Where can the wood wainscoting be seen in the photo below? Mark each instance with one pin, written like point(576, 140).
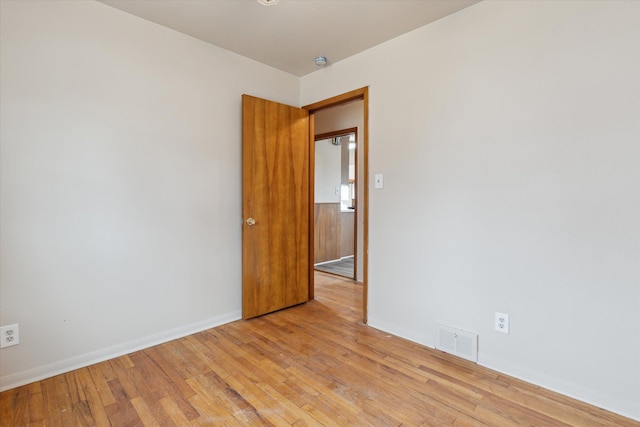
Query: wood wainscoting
point(326, 244)
point(347, 233)
point(334, 230)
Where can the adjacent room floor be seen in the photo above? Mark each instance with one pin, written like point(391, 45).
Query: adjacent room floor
point(342, 267)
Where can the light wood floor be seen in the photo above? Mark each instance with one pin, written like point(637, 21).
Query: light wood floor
point(313, 364)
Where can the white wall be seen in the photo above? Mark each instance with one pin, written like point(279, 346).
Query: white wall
point(327, 171)
point(120, 182)
point(509, 136)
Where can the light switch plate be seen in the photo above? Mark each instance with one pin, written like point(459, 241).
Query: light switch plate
point(379, 180)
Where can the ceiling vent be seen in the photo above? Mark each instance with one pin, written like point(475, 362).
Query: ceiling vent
point(268, 2)
point(321, 61)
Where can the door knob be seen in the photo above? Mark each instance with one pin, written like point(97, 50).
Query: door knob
point(250, 221)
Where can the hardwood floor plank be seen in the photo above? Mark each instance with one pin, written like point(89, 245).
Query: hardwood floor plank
point(218, 404)
point(238, 405)
point(170, 366)
point(158, 384)
point(324, 387)
point(101, 373)
point(260, 403)
point(63, 399)
point(20, 402)
point(8, 407)
point(289, 402)
point(310, 365)
point(122, 386)
point(82, 414)
point(77, 395)
point(50, 404)
point(93, 402)
point(143, 411)
point(122, 412)
point(36, 407)
point(173, 410)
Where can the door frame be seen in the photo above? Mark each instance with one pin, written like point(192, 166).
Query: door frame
point(334, 134)
point(361, 94)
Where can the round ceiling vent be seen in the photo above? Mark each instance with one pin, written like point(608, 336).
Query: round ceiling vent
point(268, 2)
point(321, 61)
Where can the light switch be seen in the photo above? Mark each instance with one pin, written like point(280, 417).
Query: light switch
point(379, 180)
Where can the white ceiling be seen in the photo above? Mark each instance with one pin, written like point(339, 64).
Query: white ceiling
point(289, 35)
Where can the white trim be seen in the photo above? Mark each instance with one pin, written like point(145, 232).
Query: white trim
point(36, 374)
point(402, 333)
point(327, 262)
point(334, 260)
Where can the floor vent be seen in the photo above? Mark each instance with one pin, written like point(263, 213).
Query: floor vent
point(457, 342)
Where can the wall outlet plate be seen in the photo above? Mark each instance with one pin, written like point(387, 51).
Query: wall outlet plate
point(9, 335)
point(502, 322)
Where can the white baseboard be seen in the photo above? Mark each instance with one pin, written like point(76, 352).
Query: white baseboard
point(334, 260)
point(402, 333)
point(36, 374)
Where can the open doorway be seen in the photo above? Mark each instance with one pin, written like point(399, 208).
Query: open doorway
point(335, 184)
point(330, 118)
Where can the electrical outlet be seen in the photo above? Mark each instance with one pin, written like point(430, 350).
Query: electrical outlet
point(9, 335)
point(502, 323)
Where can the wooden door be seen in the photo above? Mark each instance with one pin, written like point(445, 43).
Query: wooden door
point(275, 206)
